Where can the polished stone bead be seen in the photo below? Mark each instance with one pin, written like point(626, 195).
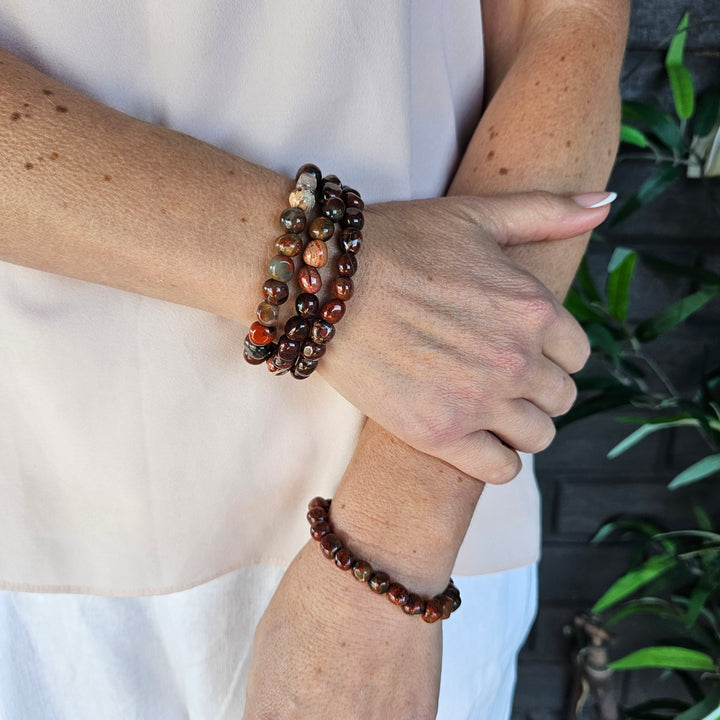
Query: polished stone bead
point(267, 314)
point(296, 328)
point(313, 170)
point(334, 179)
point(307, 306)
point(293, 220)
point(353, 218)
point(312, 351)
point(330, 544)
point(322, 331)
point(320, 502)
point(362, 570)
point(446, 604)
point(321, 228)
point(289, 244)
point(352, 199)
point(303, 368)
point(320, 530)
point(415, 605)
point(288, 349)
point(379, 582)
point(342, 288)
point(454, 594)
point(303, 199)
point(275, 292)
point(332, 311)
point(433, 610)
point(309, 279)
point(257, 354)
point(281, 268)
point(398, 594)
point(274, 368)
point(316, 514)
point(306, 181)
point(333, 209)
point(316, 254)
point(344, 559)
point(330, 190)
point(351, 240)
point(261, 334)
point(347, 265)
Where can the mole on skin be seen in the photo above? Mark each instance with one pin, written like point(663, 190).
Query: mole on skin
point(503, 171)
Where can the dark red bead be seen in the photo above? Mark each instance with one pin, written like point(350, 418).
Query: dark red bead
point(275, 292)
point(320, 502)
point(344, 559)
point(330, 190)
point(415, 605)
point(347, 265)
point(296, 328)
point(276, 363)
point(454, 594)
point(398, 594)
point(330, 544)
point(352, 199)
point(379, 582)
point(351, 240)
point(320, 530)
point(342, 288)
point(317, 514)
point(334, 179)
point(362, 570)
point(307, 305)
point(433, 611)
point(447, 605)
point(333, 209)
point(288, 349)
point(303, 368)
point(313, 170)
point(293, 220)
point(353, 218)
point(309, 279)
point(322, 331)
point(332, 311)
point(312, 350)
point(261, 334)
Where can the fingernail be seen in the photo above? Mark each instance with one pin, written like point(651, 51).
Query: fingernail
point(594, 199)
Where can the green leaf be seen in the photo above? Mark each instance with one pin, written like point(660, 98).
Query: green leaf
point(598, 403)
point(586, 283)
point(703, 468)
point(707, 113)
point(680, 79)
point(707, 709)
point(656, 184)
point(701, 592)
point(674, 315)
point(626, 525)
point(597, 383)
point(620, 272)
point(702, 275)
point(601, 339)
point(633, 580)
point(702, 518)
point(647, 429)
point(651, 606)
point(665, 657)
point(633, 136)
point(659, 123)
point(579, 309)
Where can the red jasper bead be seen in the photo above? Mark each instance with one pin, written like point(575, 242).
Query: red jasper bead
point(309, 279)
point(288, 349)
point(344, 559)
point(446, 604)
point(353, 218)
point(317, 514)
point(415, 605)
point(320, 502)
point(275, 292)
point(322, 331)
point(307, 305)
point(330, 544)
point(397, 594)
point(297, 329)
point(433, 611)
point(333, 311)
point(260, 334)
point(289, 245)
point(347, 265)
point(319, 530)
point(342, 288)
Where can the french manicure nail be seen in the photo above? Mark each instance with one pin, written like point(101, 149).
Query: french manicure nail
point(594, 199)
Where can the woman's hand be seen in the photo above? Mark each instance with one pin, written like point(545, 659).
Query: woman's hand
point(449, 344)
point(328, 647)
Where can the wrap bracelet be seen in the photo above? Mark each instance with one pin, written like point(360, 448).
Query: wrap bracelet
point(430, 609)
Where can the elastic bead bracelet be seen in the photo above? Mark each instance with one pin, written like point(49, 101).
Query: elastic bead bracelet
point(430, 609)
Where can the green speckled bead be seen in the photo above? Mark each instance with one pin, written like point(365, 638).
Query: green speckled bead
point(293, 220)
point(267, 314)
point(281, 268)
point(257, 354)
point(362, 570)
point(289, 244)
point(321, 228)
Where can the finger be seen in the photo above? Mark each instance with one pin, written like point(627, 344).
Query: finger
point(516, 219)
point(550, 389)
point(481, 455)
point(566, 343)
point(524, 427)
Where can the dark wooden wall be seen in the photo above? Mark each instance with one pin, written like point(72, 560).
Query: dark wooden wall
point(580, 486)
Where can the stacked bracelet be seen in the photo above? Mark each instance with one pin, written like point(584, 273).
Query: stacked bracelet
point(431, 609)
point(306, 334)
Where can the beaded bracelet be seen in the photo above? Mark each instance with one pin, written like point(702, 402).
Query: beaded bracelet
point(431, 609)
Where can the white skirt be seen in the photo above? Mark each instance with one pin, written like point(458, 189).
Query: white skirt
point(186, 655)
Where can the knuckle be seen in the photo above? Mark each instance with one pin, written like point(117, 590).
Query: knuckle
point(504, 469)
point(515, 363)
point(545, 437)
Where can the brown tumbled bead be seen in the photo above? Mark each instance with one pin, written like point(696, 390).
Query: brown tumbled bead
point(446, 604)
point(379, 582)
point(330, 544)
point(296, 328)
point(293, 220)
point(333, 209)
point(330, 190)
point(415, 605)
point(433, 610)
point(398, 594)
point(351, 240)
point(352, 199)
point(289, 244)
point(320, 502)
point(332, 311)
point(317, 514)
point(344, 559)
point(307, 306)
point(309, 279)
point(275, 292)
point(322, 331)
point(257, 354)
point(334, 179)
point(362, 570)
point(312, 350)
point(347, 265)
point(278, 366)
point(316, 254)
point(303, 368)
point(321, 228)
point(342, 288)
point(313, 170)
point(353, 218)
point(261, 334)
point(454, 594)
point(320, 530)
point(267, 313)
point(288, 349)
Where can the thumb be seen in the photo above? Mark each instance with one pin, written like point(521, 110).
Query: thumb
point(516, 219)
